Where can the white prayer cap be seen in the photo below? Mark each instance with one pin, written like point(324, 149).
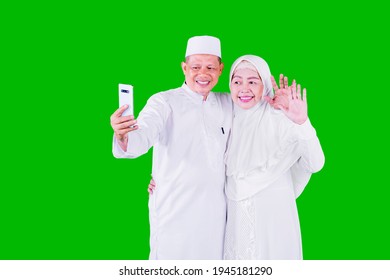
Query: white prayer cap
point(203, 45)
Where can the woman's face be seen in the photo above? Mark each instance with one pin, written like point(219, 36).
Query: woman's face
point(202, 72)
point(246, 88)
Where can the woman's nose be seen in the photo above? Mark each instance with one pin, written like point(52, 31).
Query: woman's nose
point(245, 87)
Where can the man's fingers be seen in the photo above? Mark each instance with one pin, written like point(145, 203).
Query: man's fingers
point(120, 111)
point(126, 124)
point(124, 119)
point(118, 120)
point(304, 94)
point(127, 130)
point(152, 186)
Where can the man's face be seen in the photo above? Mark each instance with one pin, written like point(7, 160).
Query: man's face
point(202, 72)
point(246, 88)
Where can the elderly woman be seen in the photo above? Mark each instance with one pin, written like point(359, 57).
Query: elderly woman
point(271, 156)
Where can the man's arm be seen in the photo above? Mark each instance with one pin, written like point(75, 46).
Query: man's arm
point(150, 124)
point(122, 125)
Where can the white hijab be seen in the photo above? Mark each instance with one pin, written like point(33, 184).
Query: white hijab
point(263, 144)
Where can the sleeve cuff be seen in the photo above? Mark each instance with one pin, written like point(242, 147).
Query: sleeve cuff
point(306, 131)
point(116, 149)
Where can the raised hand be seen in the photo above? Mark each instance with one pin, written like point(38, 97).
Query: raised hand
point(280, 99)
point(122, 126)
point(297, 108)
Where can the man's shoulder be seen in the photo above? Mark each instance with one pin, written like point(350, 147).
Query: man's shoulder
point(166, 94)
point(224, 98)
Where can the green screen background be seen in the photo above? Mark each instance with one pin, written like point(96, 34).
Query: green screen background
point(64, 196)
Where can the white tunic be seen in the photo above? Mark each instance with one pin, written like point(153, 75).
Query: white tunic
point(269, 161)
point(263, 219)
point(187, 211)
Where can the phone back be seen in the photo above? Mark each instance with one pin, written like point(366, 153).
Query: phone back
point(126, 97)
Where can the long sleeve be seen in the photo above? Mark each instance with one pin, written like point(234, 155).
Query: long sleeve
point(151, 122)
point(312, 159)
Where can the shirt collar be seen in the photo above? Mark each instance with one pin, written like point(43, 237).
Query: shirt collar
point(196, 96)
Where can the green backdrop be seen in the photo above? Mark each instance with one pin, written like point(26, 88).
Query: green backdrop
point(64, 196)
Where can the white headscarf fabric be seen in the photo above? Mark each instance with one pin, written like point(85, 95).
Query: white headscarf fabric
point(263, 145)
point(261, 67)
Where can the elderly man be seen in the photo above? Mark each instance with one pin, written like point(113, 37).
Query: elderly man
point(188, 128)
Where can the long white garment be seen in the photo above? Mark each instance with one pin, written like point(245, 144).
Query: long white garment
point(264, 224)
point(187, 211)
point(269, 161)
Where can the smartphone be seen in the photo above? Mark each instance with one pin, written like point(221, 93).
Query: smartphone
point(126, 97)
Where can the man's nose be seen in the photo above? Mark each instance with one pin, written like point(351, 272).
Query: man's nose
point(203, 70)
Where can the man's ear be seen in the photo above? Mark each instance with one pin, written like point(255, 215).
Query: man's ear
point(184, 67)
point(221, 66)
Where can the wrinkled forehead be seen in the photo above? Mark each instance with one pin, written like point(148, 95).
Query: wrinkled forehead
point(203, 58)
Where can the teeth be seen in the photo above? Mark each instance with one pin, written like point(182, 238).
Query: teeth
point(203, 83)
point(246, 98)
